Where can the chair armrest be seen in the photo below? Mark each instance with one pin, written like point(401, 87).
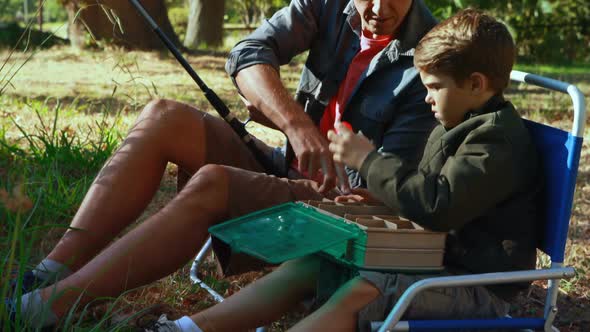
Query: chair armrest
point(470, 280)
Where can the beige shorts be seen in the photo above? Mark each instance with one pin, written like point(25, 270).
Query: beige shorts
point(438, 303)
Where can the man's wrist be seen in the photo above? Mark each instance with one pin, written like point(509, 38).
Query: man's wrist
point(295, 122)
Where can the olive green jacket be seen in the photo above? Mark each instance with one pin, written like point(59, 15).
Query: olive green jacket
point(478, 181)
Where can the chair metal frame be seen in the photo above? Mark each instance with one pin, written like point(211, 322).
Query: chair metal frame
point(561, 189)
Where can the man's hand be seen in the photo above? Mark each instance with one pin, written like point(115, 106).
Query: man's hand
point(349, 148)
point(262, 87)
point(311, 150)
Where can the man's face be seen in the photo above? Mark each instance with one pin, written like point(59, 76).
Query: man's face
point(382, 17)
point(450, 101)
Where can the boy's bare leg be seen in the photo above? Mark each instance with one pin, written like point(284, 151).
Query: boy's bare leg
point(340, 312)
point(263, 301)
point(165, 131)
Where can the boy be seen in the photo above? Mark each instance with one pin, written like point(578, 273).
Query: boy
point(477, 176)
point(475, 181)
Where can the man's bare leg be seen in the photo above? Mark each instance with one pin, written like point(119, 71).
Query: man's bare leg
point(263, 301)
point(165, 131)
point(154, 249)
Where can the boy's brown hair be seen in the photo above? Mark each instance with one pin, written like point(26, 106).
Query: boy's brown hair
point(467, 42)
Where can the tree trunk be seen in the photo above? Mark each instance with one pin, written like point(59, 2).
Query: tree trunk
point(40, 17)
point(205, 23)
point(26, 10)
point(117, 22)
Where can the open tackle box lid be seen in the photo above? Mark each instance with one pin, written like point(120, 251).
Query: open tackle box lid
point(289, 231)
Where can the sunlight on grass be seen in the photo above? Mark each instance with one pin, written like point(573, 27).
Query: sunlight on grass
point(555, 70)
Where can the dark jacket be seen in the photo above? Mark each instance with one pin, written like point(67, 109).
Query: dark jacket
point(387, 104)
point(477, 181)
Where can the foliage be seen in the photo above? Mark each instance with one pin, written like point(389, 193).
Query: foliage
point(179, 19)
point(53, 11)
point(11, 34)
point(252, 12)
point(546, 31)
point(176, 3)
point(55, 163)
point(11, 10)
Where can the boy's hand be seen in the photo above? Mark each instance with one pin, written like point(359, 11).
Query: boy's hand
point(360, 195)
point(349, 148)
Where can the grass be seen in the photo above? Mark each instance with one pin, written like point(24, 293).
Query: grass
point(65, 112)
point(555, 70)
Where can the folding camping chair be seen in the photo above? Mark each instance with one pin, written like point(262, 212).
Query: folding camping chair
point(560, 152)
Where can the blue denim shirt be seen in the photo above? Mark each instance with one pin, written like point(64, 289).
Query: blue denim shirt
point(387, 104)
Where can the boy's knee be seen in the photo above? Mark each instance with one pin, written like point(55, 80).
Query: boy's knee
point(354, 295)
point(301, 274)
point(307, 267)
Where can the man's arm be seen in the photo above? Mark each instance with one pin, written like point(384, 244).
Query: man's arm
point(261, 85)
point(254, 65)
point(289, 32)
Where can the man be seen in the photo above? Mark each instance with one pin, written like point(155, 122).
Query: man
point(359, 70)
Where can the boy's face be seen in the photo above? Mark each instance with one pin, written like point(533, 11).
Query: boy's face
point(450, 101)
point(382, 17)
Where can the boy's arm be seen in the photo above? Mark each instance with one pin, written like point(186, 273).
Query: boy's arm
point(478, 176)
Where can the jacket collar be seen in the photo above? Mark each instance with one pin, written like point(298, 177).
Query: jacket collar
point(409, 34)
point(493, 104)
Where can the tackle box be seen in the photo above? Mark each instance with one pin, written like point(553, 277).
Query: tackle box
point(367, 237)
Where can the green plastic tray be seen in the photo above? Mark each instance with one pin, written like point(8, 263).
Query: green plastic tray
point(289, 231)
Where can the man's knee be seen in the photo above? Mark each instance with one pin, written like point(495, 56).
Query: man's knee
point(211, 175)
point(207, 189)
point(167, 110)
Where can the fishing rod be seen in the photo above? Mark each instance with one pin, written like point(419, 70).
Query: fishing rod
point(219, 106)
